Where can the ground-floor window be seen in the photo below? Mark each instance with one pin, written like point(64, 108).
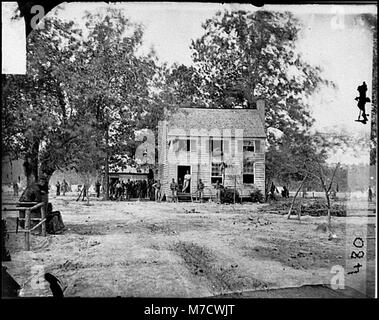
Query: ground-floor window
point(216, 174)
point(248, 171)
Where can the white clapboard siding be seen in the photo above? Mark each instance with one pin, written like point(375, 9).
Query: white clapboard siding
point(200, 159)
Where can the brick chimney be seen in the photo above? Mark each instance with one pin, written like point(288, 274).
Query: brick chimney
point(261, 109)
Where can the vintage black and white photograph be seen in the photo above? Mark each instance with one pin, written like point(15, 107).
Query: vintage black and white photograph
point(188, 150)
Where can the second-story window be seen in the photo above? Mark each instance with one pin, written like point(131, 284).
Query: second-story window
point(216, 145)
point(182, 145)
point(251, 145)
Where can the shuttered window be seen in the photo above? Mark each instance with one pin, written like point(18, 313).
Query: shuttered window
point(252, 145)
point(193, 145)
point(226, 146)
point(257, 144)
point(248, 171)
point(216, 145)
point(216, 174)
point(181, 145)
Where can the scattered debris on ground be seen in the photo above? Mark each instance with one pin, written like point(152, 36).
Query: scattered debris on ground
point(311, 207)
point(193, 210)
point(94, 243)
point(259, 221)
point(160, 228)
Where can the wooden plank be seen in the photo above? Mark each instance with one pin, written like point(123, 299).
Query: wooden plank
point(16, 209)
point(27, 202)
point(27, 227)
point(38, 205)
point(18, 203)
point(42, 222)
point(43, 217)
point(31, 219)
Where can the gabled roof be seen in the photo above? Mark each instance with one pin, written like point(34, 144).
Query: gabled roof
point(211, 118)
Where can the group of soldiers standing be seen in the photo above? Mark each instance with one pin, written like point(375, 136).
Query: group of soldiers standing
point(125, 190)
point(175, 187)
point(149, 189)
point(271, 195)
point(61, 187)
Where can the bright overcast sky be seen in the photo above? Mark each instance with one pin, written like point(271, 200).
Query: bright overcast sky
point(332, 37)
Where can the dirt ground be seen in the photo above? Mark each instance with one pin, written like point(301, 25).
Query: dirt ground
point(147, 249)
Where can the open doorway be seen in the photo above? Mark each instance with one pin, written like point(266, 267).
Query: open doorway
point(182, 171)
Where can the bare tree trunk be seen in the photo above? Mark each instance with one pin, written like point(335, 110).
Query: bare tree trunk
point(31, 164)
point(327, 190)
point(47, 177)
point(328, 205)
point(87, 195)
point(45, 173)
point(294, 198)
point(80, 194)
point(107, 165)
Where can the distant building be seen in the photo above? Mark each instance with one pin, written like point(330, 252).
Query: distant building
point(225, 145)
point(12, 171)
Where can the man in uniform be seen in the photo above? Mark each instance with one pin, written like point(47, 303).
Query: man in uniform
point(15, 188)
point(362, 99)
point(187, 179)
point(200, 190)
point(272, 191)
point(97, 186)
point(58, 186)
point(174, 190)
point(218, 188)
point(157, 187)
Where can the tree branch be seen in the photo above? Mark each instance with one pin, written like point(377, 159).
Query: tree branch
point(334, 173)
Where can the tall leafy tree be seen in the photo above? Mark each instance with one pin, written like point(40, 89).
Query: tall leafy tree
point(116, 84)
point(38, 123)
point(86, 92)
point(180, 87)
point(242, 57)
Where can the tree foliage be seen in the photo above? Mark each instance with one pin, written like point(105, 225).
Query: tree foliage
point(37, 121)
point(242, 57)
point(181, 87)
point(87, 90)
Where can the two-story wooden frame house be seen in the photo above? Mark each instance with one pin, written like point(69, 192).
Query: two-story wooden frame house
point(225, 145)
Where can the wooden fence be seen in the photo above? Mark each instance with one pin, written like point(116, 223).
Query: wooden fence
point(28, 207)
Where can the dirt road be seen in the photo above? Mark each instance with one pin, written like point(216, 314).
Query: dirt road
point(146, 249)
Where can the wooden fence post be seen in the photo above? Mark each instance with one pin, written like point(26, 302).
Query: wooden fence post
point(27, 228)
point(43, 216)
